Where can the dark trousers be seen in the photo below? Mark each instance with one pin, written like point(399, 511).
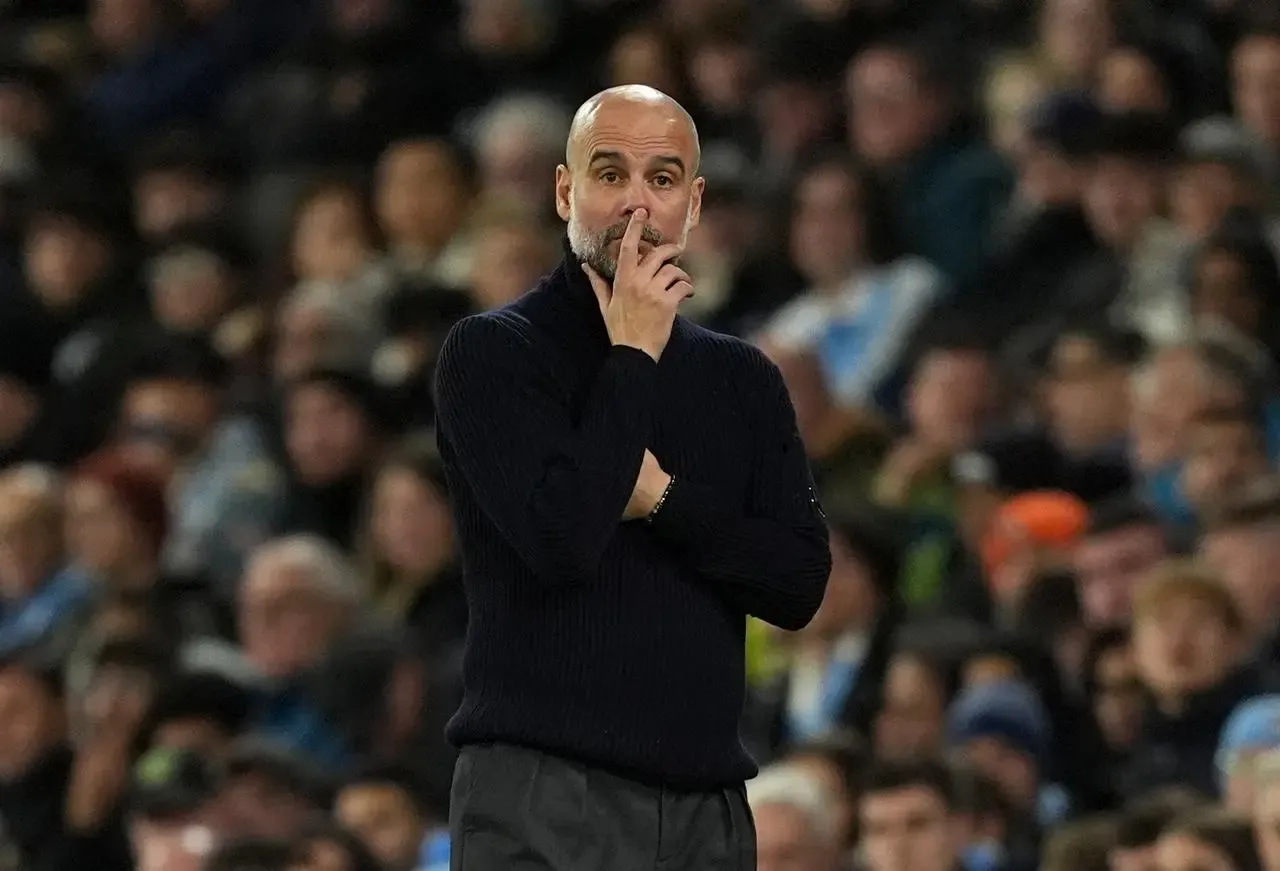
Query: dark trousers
point(514, 809)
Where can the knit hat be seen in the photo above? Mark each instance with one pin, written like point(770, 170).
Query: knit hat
point(1007, 711)
point(357, 386)
point(169, 782)
point(1253, 726)
point(141, 494)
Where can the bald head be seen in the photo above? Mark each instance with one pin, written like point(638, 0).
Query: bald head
point(620, 103)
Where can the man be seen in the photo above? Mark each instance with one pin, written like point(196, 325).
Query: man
point(796, 820)
point(627, 488)
point(1123, 541)
point(910, 819)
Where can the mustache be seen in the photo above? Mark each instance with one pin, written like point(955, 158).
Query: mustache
point(618, 230)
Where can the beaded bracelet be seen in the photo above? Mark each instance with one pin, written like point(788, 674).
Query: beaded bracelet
point(661, 499)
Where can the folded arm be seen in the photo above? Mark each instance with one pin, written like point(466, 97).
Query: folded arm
point(771, 560)
point(555, 489)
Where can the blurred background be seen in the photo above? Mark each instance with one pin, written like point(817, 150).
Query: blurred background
point(1016, 260)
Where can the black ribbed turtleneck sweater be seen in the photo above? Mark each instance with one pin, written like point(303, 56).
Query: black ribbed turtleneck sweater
point(619, 644)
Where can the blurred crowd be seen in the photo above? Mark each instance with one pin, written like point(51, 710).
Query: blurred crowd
point(1016, 261)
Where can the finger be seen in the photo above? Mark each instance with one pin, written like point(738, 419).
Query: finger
point(599, 286)
point(681, 290)
point(659, 256)
point(629, 252)
point(669, 275)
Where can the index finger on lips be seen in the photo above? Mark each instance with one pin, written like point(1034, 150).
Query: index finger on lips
point(659, 257)
point(629, 251)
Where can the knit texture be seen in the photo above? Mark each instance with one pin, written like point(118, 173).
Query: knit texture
point(619, 644)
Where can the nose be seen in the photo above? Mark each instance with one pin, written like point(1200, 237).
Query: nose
point(638, 195)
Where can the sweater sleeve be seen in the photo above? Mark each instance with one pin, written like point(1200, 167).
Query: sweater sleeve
point(555, 488)
point(771, 561)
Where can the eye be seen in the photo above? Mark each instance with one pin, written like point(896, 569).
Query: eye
point(609, 176)
point(664, 181)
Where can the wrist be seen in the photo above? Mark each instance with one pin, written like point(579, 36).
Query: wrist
point(655, 506)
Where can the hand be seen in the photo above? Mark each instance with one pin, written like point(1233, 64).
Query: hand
point(640, 308)
point(650, 485)
point(909, 462)
point(98, 779)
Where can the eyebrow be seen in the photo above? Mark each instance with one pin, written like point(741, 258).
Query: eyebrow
point(616, 157)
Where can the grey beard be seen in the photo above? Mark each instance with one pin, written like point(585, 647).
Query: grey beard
point(597, 254)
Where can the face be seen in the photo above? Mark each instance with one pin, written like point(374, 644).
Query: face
point(1224, 292)
point(1255, 73)
point(1182, 646)
point(1087, 396)
point(828, 774)
point(1201, 194)
point(508, 261)
point(62, 260)
point(1246, 558)
point(909, 829)
point(792, 116)
point(1179, 852)
point(330, 239)
point(1163, 403)
point(30, 540)
point(179, 845)
point(285, 624)
point(1121, 196)
point(164, 423)
point(31, 722)
point(412, 526)
point(1013, 770)
point(892, 113)
point(949, 397)
point(627, 157)
point(1118, 702)
point(1266, 824)
point(190, 291)
point(1131, 83)
point(1011, 93)
point(850, 600)
point(101, 535)
point(421, 197)
point(1075, 35)
point(167, 199)
point(1109, 566)
point(910, 721)
point(304, 334)
point(326, 435)
point(786, 842)
point(1133, 859)
point(385, 820)
point(122, 27)
point(827, 227)
point(253, 806)
point(1047, 177)
point(645, 57)
point(1222, 456)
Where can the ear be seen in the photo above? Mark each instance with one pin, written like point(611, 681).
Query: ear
point(564, 190)
point(695, 200)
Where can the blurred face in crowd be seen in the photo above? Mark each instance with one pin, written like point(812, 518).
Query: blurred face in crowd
point(328, 437)
point(501, 27)
point(723, 73)
point(1223, 455)
point(792, 116)
point(516, 166)
point(174, 844)
point(1255, 75)
point(1075, 36)
point(1087, 396)
point(165, 422)
point(1118, 700)
point(1109, 565)
point(910, 722)
point(634, 151)
point(893, 113)
point(1048, 177)
point(286, 623)
point(1182, 646)
point(909, 829)
point(951, 395)
point(165, 199)
point(385, 819)
point(255, 805)
point(30, 534)
point(1130, 82)
point(122, 28)
point(827, 230)
point(509, 258)
point(827, 773)
point(24, 114)
point(117, 699)
point(1246, 557)
point(786, 841)
point(1178, 851)
point(355, 17)
point(332, 239)
point(19, 406)
point(1012, 769)
point(412, 525)
point(1224, 292)
point(101, 534)
point(1165, 397)
point(1201, 194)
point(31, 722)
point(191, 290)
point(1122, 195)
point(63, 258)
point(1266, 823)
point(646, 56)
point(422, 198)
point(850, 602)
point(1013, 88)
